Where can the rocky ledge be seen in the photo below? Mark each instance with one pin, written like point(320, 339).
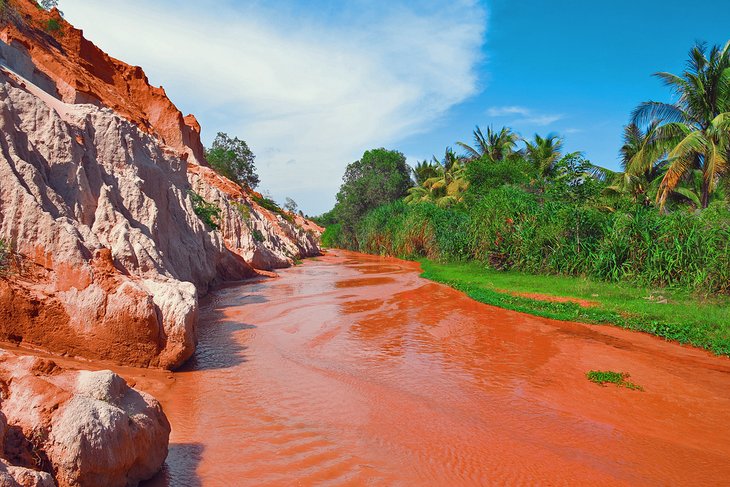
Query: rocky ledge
point(75, 428)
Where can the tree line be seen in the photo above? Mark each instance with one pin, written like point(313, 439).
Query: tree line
point(662, 219)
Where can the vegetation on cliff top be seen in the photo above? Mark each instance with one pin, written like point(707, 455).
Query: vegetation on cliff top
point(232, 158)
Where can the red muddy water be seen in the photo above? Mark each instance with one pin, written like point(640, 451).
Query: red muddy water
point(352, 370)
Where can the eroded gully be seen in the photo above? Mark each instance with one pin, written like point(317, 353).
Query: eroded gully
point(352, 370)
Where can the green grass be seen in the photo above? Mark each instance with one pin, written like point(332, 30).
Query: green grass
point(702, 322)
point(603, 377)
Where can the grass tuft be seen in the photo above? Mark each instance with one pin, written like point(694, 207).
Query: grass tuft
point(621, 379)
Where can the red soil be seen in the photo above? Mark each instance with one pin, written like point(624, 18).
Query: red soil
point(551, 299)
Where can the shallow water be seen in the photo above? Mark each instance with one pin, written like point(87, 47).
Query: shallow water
point(351, 370)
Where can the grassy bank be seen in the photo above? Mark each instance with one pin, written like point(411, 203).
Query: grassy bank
point(673, 315)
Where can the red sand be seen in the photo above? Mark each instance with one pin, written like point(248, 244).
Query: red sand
point(351, 370)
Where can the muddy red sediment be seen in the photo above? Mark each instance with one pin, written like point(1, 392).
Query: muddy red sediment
point(402, 381)
point(551, 299)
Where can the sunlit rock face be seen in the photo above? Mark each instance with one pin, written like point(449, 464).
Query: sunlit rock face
point(110, 251)
point(96, 169)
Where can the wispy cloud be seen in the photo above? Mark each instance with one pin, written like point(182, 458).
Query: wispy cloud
point(505, 111)
point(300, 81)
point(522, 115)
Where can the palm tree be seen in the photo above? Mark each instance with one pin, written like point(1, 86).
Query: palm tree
point(495, 145)
point(643, 164)
point(544, 152)
point(424, 170)
point(694, 132)
point(447, 186)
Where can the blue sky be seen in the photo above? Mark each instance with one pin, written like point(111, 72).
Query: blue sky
point(311, 85)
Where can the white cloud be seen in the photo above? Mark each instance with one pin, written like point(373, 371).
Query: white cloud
point(523, 115)
point(504, 111)
point(309, 88)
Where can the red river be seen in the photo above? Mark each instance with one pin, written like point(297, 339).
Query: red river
point(352, 370)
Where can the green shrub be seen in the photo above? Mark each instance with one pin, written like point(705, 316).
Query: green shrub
point(232, 158)
point(53, 26)
point(272, 206)
point(209, 213)
point(332, 237)
point(243, 210)
point(4, 255)
point(512, 228)
point(257, 235)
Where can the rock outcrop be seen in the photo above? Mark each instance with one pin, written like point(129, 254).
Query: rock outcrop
point(112, 253)
point(74, 70)
point(75, 428)
point(96, 170)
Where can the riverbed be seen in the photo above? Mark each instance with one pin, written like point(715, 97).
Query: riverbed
point(352, 370)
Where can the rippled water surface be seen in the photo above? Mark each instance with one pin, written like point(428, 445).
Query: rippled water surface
point(351, 370)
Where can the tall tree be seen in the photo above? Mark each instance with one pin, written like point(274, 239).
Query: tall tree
point(694, 131)
point(381, 176)
point(544, 152)
point(290, 205)
point(495, 145)
point(232, 158)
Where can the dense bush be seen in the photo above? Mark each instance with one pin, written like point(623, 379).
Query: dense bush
point(332, 237)
point(511, 228)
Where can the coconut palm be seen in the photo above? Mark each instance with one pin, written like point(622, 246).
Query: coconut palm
point(694, 132)
point(495, 145)
point(447, 186)
point(544, 152)
point(424, 170)
point(643, 164)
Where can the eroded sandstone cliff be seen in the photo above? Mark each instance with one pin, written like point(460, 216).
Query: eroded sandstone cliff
point(96, 169)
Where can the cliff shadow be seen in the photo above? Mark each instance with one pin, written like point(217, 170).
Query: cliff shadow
point(180, 468)
point(221, 342)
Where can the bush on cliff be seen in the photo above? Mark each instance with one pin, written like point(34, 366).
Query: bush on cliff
point(3, 256)
point(232, 158)
point(208, 212)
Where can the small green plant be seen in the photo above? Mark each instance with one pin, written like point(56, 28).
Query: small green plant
point(257, 235)
point(243, 210)
point(208, 212)
point(53, 26)
point(271, 205)
point(3, 256)
point(621, 379)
